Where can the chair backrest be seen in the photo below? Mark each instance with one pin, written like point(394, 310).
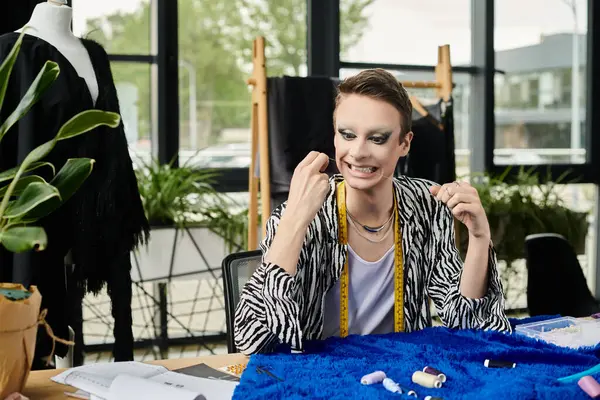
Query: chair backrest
point(237, 270)
point(556, 284)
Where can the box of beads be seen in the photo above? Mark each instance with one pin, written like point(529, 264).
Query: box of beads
point(564, 331)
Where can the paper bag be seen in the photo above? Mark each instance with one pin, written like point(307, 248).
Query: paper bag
point(18, 330)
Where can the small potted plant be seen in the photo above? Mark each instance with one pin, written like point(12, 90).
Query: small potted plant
point(193, 226)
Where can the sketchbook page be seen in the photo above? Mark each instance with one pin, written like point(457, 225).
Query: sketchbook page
point(90, 383)
point(112, 370)
point(130, 387)
point(211, 389)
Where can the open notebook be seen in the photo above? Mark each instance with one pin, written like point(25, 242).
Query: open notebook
point(127, 380)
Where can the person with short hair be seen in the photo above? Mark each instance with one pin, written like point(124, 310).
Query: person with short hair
point(364, 252)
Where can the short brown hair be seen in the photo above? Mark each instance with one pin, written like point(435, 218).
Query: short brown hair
point(380, 85)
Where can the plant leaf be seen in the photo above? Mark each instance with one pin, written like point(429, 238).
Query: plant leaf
point(67, 181)
point(71, 176)
point(20, 239)
point(34, 195)
point(38, 87)
point(22, 184)
point(86, 121)
point(10, 173)
point(7, 66)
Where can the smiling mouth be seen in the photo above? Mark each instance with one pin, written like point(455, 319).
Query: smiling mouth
point(364, 170)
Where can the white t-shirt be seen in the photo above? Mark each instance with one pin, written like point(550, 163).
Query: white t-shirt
point(370, 297)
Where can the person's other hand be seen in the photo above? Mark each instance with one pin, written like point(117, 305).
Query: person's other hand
point(308, 188)
point(463, 200)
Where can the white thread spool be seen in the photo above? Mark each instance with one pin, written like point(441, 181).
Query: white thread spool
point(391, 386)
point(373, 377)
point(426, 380)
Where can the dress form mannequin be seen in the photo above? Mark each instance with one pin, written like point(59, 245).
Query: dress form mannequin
point(104, 220)
point(51, 22)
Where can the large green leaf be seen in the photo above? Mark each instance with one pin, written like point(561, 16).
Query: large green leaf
point(71, 176)
point(7, 66)
point(22, 184)
point(67, 181)
point(20, 239)
point(86, 121)
point(38, 87)
point(10, 173)
point(33, 196)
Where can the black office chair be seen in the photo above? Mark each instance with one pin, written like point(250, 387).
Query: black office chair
point(556, 284)
point(237, 270)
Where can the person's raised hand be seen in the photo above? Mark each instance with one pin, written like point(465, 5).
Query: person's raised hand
point(463, 200)
point(309, 187)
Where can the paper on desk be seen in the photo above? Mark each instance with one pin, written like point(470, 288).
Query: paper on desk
point(112, 370)
point(98, 380)
point(211, 389)
point(126, 387)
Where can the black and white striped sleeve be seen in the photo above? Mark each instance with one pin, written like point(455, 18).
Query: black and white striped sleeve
point(268, 311)
point(454, 309)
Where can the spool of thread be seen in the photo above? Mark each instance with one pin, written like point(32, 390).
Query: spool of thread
point(373, 377)
point(433, 371)
point(391, 386)
point(499, 364)
point(426, 380)
point(408, 391)
point(589, 385)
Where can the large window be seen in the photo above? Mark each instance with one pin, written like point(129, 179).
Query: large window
point(540, 48)
point(404, 31)
point(215, 59)
point(121, 26)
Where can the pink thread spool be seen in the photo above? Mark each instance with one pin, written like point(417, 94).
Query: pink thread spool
point(373, 377)
point(590, 386)
point(433, 371)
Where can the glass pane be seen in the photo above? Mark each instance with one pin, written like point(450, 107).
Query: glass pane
point(121, 26)
point(215, 58)
point(404, 31)
point(460, 96)
point(132, 81)
point(540, 98)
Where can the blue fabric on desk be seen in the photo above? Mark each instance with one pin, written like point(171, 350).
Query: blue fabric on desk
point(331, 369)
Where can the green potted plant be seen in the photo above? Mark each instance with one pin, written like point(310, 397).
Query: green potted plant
point(25, 198)
point(193, 226)
point(525, 206)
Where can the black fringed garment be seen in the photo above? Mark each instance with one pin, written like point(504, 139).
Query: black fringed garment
point(103, 221)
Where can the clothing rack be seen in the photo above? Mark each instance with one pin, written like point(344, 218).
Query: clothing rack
point(443, 85)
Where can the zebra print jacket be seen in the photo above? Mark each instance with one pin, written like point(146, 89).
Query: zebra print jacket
point(276, 308)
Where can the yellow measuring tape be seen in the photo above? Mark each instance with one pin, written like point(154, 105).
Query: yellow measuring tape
point(398, 266)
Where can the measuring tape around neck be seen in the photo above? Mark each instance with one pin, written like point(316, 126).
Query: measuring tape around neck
point(398, 265)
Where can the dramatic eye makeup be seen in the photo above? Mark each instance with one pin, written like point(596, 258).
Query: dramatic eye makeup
point(377, 137)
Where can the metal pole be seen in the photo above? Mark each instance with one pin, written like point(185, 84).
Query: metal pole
point(575, 103)
point(192, 87)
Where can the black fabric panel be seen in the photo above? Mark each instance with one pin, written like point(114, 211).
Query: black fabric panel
point(16, 14)
point(431, 154)
point(300, 113)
